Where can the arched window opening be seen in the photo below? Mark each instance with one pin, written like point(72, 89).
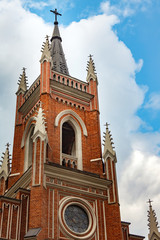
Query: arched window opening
point(68, 139)
point(28, 149)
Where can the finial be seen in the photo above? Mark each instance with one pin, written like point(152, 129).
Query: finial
point(90, 56)
point(91, 69)
point(150, 201)
point(56, 14)
point(7, 145)
point(5, 165)
point(106, 125)
point(108, 142)
point(22, 82)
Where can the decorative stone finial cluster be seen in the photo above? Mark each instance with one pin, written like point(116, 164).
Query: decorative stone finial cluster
point(40, 126)
point(23, 82)
point(91, 70)
point(153, 223)
point(108, 142)
point(5, 163)
point(46, 51)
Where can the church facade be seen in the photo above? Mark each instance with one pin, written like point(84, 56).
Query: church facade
point(60, 185)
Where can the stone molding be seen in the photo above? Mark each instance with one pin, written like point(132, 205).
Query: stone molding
point(69, 111)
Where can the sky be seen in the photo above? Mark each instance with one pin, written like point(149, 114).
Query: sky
point(123, 36)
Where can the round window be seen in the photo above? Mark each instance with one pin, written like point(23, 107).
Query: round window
point(76, 218)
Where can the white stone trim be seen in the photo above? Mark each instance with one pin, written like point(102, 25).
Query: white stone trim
point(27, 213)
point(49, 202)
point(14, 174)
point(27, 149)
point(76, 177)
point(10, 232)
point(71, 112)
point(104, 218)
point(96, 160)
point(34, 163)
point(53, 216)
point(96, 205)
point(1, 219)
point(63, 204)
point(9, 210)
point(74, 190)
point(114, 197)
point(40, 162)
point(107, 176)
point(22, 183)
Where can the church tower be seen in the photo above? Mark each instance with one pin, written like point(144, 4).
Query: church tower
point(60, 185)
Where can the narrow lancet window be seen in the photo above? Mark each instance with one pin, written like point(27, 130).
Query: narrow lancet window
point(28, 149)
point(68, 139)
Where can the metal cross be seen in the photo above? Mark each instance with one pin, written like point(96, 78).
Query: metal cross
point(90, 56)
point(8, 144)
point(149, 201)
point(56, 13)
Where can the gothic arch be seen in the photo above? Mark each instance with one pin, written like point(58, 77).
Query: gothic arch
point(28, 143)
point(78, 139)
point(30, 122)
point(78, 118)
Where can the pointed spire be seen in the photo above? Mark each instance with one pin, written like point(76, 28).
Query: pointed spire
point(22, 82)
point(46, 55)
point(153, 223)
point(5, 166)
point(108, 143)
point(40, 127)
point(57, 55)
point(91, 70)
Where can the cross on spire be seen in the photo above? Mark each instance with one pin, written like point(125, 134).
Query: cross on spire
point(8, 144)
point(150, 201)
point(56, 14)
point(90, 56)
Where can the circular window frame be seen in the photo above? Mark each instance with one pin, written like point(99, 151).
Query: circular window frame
point(67, 201)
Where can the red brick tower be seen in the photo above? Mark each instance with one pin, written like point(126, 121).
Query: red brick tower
point(59, 187)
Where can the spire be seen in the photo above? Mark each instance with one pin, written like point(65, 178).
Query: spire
point(91, 70)
point(22, 82)
point(108, 144)
point(153, 223)
point(57, 55)
point(46, 55)
point(40, 127)
point(5, 166)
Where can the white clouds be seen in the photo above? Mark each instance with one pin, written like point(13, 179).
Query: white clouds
point(139, 182)
point(22, 34)
point(120, 95)
point(125, 8)
point(40, 5)
point(36, 5)
point(154, 102)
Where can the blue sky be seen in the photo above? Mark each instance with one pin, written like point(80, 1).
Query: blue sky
point(139, 31)
point(124, 38)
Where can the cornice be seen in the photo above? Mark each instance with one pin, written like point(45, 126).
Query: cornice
point(69, 91)
point(30, 102)
point(79, 178)
point(7, 199)
point(22, 182)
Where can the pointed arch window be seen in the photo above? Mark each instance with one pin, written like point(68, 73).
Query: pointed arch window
point(76, 127)
point(71, 148)
point(28, 149)
point(68, 139)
